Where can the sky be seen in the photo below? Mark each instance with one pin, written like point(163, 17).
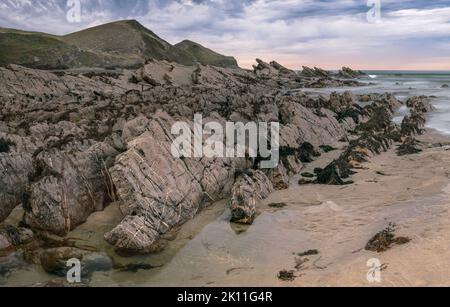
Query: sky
point(363, 34)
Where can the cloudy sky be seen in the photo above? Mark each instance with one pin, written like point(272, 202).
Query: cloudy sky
point(411, 34)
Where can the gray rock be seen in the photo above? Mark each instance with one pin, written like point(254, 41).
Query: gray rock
point(73, 183)
point(54, 261)
point(249, 189)
point(4, 243)
point(350, 73)
point(159, 191)
point(64, 133)
point(279, 177)
point(11, 263)
point(11, 236)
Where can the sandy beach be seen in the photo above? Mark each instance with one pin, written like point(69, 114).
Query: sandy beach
point(413, 193)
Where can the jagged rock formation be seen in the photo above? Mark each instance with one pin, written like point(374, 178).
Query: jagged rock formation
point(248, 190)
point(409, 146)
point(415, 121)
point(160, 191)
point(277, 75)
point(72, 143)
point(315, 72)
point(72, 181)
point(377, 134)
point(348, 73)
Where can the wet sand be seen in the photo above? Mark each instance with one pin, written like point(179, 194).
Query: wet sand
point(411, 191)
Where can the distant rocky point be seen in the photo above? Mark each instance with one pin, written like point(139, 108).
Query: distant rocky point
point(344, 73)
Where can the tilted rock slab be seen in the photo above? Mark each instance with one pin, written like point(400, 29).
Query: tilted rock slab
point(159, 191)
point(16, 164)
point(68, 185)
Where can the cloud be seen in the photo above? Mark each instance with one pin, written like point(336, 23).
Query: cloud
point(412, 33)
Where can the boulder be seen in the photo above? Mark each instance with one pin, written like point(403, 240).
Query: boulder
point(339, 102)
point(54, 261)
point(278, 176)
point(11, 236)
point(249, 189)
point(12, 262)
point(72, 182)
point(409, 146)
point(420, 104)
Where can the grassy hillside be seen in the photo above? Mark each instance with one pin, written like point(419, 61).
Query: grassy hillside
point(207, 56)
point(119, 44)
point(129, 41)
point(34, 50)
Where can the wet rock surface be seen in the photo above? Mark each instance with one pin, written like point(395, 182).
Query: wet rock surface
point(11, 237)
point(409, 146)
point(11, 263)
point(375, 134)
point(55, 261)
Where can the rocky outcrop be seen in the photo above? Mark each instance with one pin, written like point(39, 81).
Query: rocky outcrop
point(414, 123)
point(16, 164)
point(338, 103)
point(348, 73)
point(72, 182)
point(12, 237)
point(159, 191)
point(54, 261)
point(266, 70)
point(314, 72)
point(420, 104)
point(409, 146)
point(248, 191)
point(376, 135)
point(279, 177)
point(70, 143)
point(275, 75)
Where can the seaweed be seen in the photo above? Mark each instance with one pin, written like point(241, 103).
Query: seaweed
point(277, 205)
point(311, 252)
point(384, 240)
point(286, 275)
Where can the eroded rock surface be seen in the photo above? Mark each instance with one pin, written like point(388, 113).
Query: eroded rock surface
point(72, 143)
point(159, 191)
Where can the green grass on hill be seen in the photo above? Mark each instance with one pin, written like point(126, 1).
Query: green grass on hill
point(119, 44)
point(207, 56)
